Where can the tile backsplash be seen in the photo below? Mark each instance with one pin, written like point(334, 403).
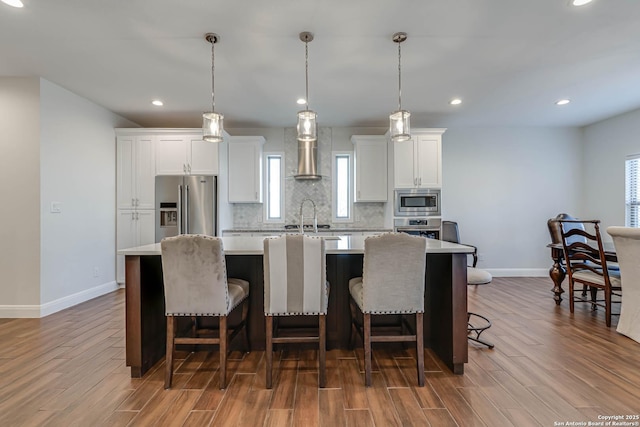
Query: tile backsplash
point(365, 215)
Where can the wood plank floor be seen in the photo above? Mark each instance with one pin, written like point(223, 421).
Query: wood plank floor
point(68, 369)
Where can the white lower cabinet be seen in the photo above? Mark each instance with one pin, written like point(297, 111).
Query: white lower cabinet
point(134, 228)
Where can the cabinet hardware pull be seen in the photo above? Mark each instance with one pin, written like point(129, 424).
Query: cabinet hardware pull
point(133, 202)
point(133, 216)
point(137, 216)
point(256, 196)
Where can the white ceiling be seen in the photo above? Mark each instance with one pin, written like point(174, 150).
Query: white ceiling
point(509, 60)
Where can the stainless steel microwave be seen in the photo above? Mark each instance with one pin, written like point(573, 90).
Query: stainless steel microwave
point(417, 202)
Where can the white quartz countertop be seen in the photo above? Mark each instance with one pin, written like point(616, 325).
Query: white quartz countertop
point(241, 245)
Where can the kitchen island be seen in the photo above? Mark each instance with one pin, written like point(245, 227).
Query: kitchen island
point(445, 319)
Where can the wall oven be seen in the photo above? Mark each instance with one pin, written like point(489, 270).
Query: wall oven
point(417, 202)
point(425, 227)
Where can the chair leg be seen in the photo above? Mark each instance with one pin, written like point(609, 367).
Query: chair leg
point(168, 373)
point(223, 352)
point(607, 306)
point(245, 314)
point(269, 350)
point(352, 311)
point(367, 349)
point(322, 326)
point(571, 295)
point(420, 347)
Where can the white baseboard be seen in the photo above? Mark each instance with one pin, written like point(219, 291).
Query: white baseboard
point(36, 311)
point(518, 272)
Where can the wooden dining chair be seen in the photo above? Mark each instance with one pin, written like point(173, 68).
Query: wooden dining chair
point(586, 265)
point(392, 283)
point(627, 244)
point(196, 285)
point(295, 284)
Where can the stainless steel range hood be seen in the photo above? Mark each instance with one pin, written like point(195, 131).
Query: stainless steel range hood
point(307, 161)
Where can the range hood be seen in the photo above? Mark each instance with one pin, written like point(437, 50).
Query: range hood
point(307, 161)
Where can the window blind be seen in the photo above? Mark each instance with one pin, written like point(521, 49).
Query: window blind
point(632, 198)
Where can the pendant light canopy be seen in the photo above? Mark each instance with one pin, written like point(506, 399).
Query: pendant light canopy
point(399, 124)
point(212, 122)
point(307, 119)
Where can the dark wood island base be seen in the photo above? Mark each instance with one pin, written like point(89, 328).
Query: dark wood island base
point(444, 320)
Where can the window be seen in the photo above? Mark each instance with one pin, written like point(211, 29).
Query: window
point(632, 196)
point(342, 193)
point(274, 207)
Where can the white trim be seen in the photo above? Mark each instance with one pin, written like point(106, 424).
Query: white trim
point(36, 311)
point(518, 272)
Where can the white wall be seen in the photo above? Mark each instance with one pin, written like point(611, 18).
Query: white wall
point(19, 189)
point(502, 184)
point(606, 144)
point(77, 148)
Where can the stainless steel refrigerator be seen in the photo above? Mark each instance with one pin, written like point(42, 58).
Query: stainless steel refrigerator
point(186, 205)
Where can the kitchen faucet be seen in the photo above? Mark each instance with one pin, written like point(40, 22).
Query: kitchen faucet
point(315, 216)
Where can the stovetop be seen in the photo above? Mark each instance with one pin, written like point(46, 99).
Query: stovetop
point(306, 227)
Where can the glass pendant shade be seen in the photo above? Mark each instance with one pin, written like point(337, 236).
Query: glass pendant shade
point(212, 126)
point(307, 126)
point(399, 126)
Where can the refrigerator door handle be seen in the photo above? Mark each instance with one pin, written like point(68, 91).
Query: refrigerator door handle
point(179, 209)
point(186, 209)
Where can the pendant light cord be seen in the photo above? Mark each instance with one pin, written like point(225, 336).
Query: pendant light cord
point(213, 60)
point(399, 78)
point(306, 72)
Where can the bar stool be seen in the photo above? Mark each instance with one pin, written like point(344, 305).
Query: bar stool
point(392, 282)
point(295, 284)
point(196, 285)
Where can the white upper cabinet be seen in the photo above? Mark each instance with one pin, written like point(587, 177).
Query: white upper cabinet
point(245, 169)
point(417, 163)
point(370, 160)
point(185, 155)
point(135, 172)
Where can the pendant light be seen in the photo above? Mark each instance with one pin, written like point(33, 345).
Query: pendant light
point(399, 126)
point(212, 122)
point(307, 124)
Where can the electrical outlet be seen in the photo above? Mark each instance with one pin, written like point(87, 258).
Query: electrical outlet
point(480, 257)
point(56, 207)
point(96, 272)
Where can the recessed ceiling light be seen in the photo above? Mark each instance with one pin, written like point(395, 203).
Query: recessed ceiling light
point(455, 101)
point(301, 101)
point(563, 102)
point(14, 3)
point(157, 103)
point(580, 2)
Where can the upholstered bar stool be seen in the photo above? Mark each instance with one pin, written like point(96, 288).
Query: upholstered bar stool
point(392, 282)
point(196, 285)
point(295, 284)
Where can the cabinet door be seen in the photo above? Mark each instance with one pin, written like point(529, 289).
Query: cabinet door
point(371, 169)
point(171, 155)
point(146, 226)
point(403, 164)
point(428, 161)
point(245, 172)
point(126, 237)
point(204, 157)
point(145, 172)
point(125, 170)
